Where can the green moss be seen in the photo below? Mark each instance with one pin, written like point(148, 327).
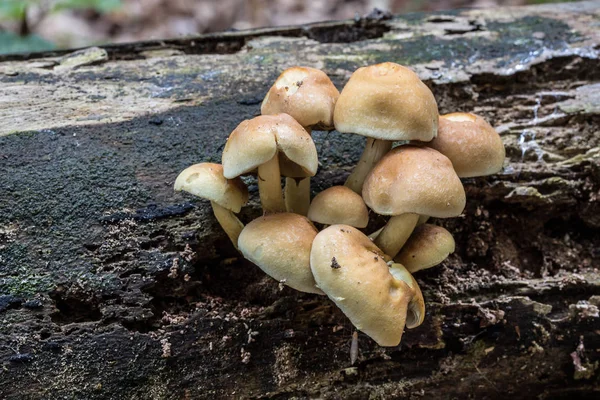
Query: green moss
point(512, 43)
point(525, 191)
point(591, 154)
point(25, 285)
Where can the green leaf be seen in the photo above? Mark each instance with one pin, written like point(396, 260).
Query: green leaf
point(107, 5)
point(101, 6)
point(13, 43)
point(13, 10)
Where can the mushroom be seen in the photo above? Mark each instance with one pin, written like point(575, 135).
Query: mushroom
point(472, 144)
point(428, 246)
point(280, 244)
point(379, 300)
point(227, 196)
point(275, 145)
point(309, 96)
point(339, 205)
point(407, 182)
point(384, 102)
point(306, 94)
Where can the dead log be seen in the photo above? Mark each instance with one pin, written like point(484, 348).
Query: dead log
point(114, 286)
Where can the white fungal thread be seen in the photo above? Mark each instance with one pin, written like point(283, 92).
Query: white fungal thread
point(527, 139)
point(538, 103)
point(527, 142)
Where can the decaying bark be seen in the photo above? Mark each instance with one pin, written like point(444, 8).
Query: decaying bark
point(114, 286)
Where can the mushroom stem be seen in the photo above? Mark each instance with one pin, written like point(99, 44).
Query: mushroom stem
point(374, 151)
point(374, 235)
point(422, 219)
point(395, 233)
point(269, 186)
point(297, 195)
point(229, 222)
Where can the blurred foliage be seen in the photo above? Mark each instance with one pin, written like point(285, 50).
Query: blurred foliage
point(13, 10)
point(13, 43)
point(20, 20)
point(16, 11)
point(102, 6)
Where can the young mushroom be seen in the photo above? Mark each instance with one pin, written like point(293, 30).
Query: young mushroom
point(227, 196)
point(428, 246)
point(407, 182)
point(472, 144)
point(385, 102)
point(309, 96)
point(339, 205)
point(275, 145)
point(379, 300)
point(306, 94)
point(280, 244)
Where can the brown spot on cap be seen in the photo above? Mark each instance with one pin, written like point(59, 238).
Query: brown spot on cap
point(334, 264)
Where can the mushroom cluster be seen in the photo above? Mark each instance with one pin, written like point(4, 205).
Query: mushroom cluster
point(410, 170)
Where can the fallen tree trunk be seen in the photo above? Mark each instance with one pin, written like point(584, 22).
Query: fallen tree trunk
point(114, 286)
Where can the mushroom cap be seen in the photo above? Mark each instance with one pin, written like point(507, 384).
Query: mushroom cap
point(307, 94)
point(255, 141)
point(339, 205)
point(428, 246)
point(387, 101)
point(206, 180)
point(471, 143)
point(351, 270)
point(280, 244)
point(418, 180)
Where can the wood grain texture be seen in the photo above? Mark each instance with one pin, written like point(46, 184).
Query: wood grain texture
point(114, 286)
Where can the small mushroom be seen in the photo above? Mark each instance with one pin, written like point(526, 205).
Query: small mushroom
point(280, 244)
point(384, 102)
point(339, 205)
point(227, 196)
point(307, 94)
point(472, 144)
point(378, 299)
point(407, 182)
point(428, 246)
point(275, 145)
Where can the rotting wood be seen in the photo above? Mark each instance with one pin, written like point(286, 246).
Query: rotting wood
point(113, 285)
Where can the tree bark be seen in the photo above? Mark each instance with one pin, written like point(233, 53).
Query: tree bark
point(114, 286)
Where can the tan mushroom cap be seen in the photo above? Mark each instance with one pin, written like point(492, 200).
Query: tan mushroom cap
point(428, 246)
point(387, 101)
point(351, 270)
point(307, 94)
point(418, 180)
point(339, 205)
point(255, 141)
point(416, 307)
point(471, 143)
point(206, 180)
point(280, 244)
